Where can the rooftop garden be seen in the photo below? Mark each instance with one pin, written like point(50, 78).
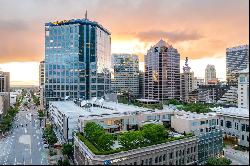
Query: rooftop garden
point(133, 101)
point(101, 143)
point(192, 107)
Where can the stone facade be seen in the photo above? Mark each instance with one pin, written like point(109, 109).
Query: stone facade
point(179, 152)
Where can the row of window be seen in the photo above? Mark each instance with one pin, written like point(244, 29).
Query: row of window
point(163, 158)
point(244, 127)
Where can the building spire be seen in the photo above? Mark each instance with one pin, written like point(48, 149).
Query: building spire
point(86, 15)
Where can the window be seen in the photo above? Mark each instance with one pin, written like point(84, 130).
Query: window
point(188, 151)
point(146, 163)
point(242, 137)
point(247, 128)
point(150, 161)
point(142, 161)
point(242, 79)
point(156, 159)
point(203, 122)
point(160, 159)
point(171, 155)
point(228, 124)
point(243, 127)
point(221, 122)
point(164, 157)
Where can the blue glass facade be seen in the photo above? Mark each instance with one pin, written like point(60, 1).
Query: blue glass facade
point(77, 60)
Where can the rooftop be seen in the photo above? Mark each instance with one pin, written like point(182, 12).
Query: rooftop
point(233, 111)
point(237, 48)
point(194, 116)
point(102, 109)
point(77, 21)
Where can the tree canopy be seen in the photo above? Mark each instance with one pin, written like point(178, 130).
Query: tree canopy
point(218, 161)
point(67, 149)
point(97, 136)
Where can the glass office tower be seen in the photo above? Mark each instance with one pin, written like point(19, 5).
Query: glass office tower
point(77, 60)
point(237, 59)
point(126, 73)
point(162, 72)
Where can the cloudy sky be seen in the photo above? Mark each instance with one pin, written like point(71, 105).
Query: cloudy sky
point(199, 29)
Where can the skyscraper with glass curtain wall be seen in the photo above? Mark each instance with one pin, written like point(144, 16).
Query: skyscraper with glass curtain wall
point(162, 72)
point(77, 59)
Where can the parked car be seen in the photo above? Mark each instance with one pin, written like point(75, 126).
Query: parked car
point(57, 145)
point(45, 145)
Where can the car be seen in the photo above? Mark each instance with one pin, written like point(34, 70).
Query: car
point(45, 145)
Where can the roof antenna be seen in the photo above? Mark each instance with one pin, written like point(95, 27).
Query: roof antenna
point(86, 14)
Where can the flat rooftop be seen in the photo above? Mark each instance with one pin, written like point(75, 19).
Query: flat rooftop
point(193, 116)
point(103, 109)
point(233, 111)
point(147, 100)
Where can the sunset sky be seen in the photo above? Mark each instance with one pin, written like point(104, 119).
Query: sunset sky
point(199, 29)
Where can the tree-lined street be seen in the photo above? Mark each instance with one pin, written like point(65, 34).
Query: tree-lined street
point(23, 145)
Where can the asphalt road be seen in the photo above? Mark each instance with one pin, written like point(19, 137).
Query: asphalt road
point(237, 157)
point(23, 146)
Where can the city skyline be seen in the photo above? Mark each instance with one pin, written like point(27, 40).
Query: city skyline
point(199, 30)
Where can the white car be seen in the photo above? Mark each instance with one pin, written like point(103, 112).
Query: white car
point(45, 145)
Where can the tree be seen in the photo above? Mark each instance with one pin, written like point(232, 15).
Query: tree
point(41, 113)
point(63, 162)
point(154, 132)
point(93, 131)
point(105, 141)
point(67, 149)
point(218, 161)
point(97, 136)
point(132, 139)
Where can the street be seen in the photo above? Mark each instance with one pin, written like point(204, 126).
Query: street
point(237, 157)
point(24, 146)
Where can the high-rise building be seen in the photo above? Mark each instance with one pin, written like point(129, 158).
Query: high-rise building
point(162, 72)
point(210, 74)
point(126, 73)
point(4, 81)
point(141, 84)
point(77, 60)
point(237, 59)
point(243, 89)
point(211, 93)
point(230, 97)
point(197, 82)
point(41, 82)
point(186, 82)
point(4, 103)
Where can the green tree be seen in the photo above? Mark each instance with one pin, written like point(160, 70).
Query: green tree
point(105, 141)
point(154, 132)
point(41, 113)
point(63, 162)
point(93, 131)
point(131, 139)
point(67, 149)
point(218, 161)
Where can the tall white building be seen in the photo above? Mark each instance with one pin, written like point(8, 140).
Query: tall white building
point(162, 72)
point(243, 89)
point(186, 82)
point(126, 73)
point(210, 74)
